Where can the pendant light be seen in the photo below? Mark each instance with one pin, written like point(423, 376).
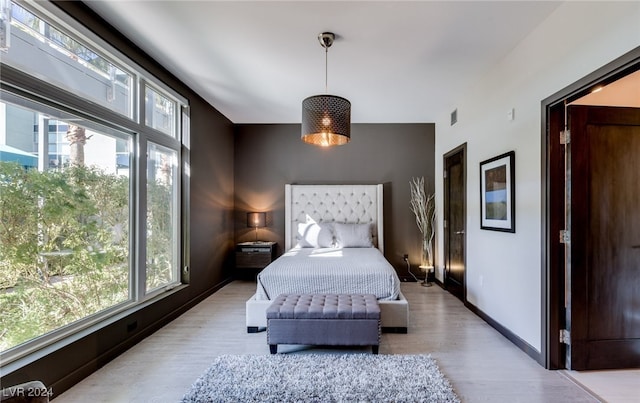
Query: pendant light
point(326, 119)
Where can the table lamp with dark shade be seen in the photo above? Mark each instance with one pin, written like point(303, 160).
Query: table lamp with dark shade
point(256, 220)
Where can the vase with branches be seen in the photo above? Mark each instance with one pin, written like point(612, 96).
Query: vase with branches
point(424, 208)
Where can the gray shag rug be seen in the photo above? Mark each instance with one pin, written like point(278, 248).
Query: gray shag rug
point(322, 378)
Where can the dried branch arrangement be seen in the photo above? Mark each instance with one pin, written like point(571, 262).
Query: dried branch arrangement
point(424, 208)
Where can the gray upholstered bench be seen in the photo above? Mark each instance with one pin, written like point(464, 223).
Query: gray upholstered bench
point(328, 320)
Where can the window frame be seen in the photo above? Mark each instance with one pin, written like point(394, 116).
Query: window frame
point(16, 84)
point(60, 21)
point(147, 85)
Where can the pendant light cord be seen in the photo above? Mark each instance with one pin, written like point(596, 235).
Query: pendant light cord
point(326, 68)
point(326, 40)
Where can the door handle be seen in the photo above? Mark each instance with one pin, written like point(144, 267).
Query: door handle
point(459, 232)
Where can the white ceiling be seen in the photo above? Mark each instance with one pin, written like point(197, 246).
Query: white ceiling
point(255, 61)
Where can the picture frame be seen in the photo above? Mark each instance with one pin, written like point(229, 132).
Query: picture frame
point(498, 193)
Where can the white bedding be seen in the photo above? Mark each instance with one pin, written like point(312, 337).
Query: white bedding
point(329, 270)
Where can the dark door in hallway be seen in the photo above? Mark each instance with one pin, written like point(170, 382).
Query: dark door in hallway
point(455, 221)
point(604, 302)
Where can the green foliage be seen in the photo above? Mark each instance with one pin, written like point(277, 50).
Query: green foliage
point(160, 234)
point(64, 248)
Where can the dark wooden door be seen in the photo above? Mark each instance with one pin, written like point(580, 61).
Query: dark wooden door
point(604, 302)
point(455, 222)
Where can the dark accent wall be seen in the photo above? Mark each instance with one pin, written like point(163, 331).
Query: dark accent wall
point(211, 233)
point(269, 156)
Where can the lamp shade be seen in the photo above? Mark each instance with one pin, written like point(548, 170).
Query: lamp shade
point(256, 220)
point(326, 120)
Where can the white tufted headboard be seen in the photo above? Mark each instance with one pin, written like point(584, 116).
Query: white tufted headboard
point(333, 203)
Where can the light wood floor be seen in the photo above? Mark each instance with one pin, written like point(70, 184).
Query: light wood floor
point(482, 365)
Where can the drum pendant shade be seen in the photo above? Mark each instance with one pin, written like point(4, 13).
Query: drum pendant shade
point(326, 119)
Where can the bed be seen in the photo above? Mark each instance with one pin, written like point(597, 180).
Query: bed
point(334, 243)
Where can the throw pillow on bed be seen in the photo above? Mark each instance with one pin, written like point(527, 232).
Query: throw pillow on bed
point(353, 235)
point(315, 235)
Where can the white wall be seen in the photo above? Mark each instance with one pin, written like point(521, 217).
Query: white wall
point(577, 39)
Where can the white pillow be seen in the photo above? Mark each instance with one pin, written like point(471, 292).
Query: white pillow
point(353, 235)
point(315, 235)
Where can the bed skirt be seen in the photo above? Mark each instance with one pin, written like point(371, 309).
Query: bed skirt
point(394, 315)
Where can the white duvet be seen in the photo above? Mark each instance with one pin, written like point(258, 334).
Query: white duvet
point(329, 271)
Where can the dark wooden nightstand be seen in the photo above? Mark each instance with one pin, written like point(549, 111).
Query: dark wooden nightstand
point(254, 255)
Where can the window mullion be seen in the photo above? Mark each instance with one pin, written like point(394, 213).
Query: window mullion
point(141, 219)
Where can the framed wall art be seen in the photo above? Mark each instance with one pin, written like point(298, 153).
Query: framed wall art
point(498, 193)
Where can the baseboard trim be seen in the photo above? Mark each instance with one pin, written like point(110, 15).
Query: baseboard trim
point(93, 365)
point(512, 337)
point(397, 330)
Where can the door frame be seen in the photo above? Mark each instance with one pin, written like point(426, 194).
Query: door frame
point(459, 149)
point(553, 215)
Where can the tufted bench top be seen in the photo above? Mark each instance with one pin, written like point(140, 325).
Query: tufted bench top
point(324, 306)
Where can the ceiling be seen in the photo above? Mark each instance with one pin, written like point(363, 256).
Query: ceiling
point(397, 62)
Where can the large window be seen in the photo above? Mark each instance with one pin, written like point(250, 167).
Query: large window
point(65, 223)
point(90, 200)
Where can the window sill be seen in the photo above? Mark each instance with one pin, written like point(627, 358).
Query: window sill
point(64, 339)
